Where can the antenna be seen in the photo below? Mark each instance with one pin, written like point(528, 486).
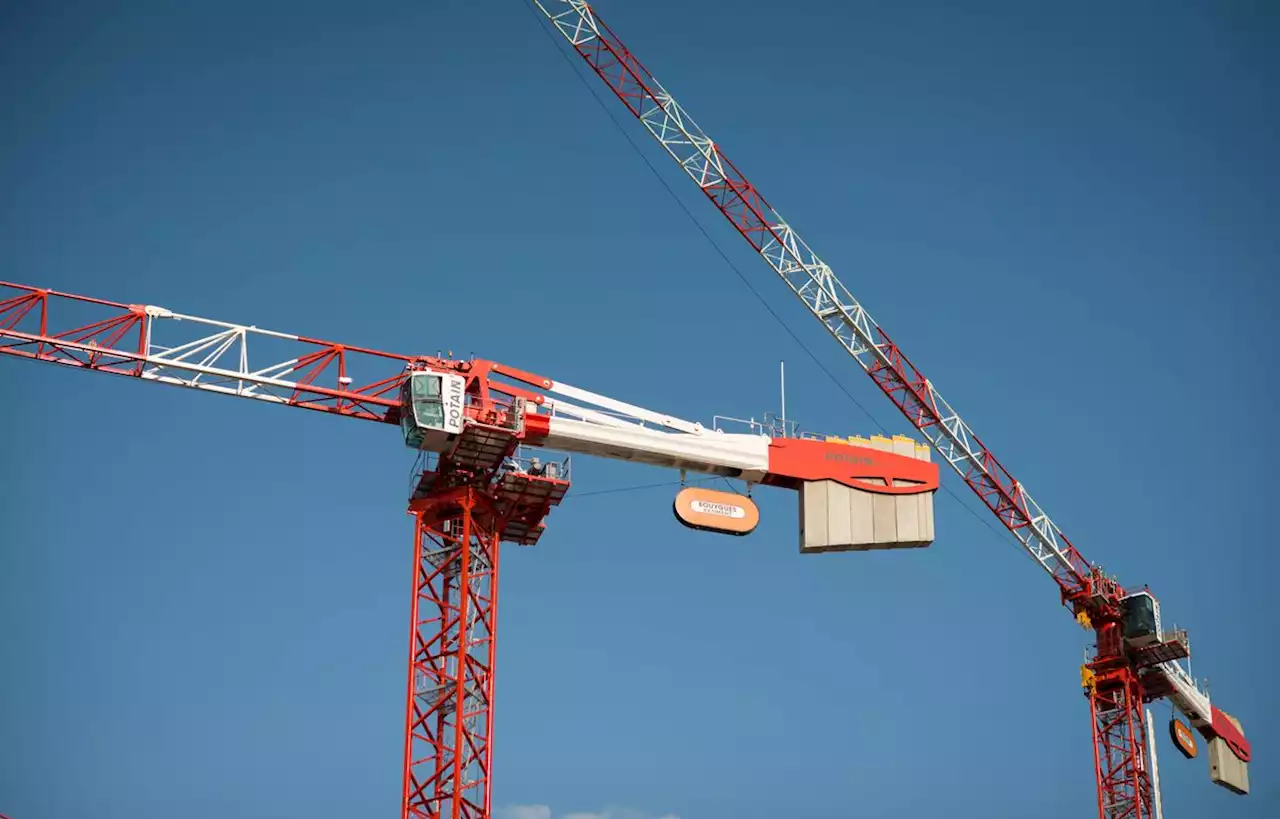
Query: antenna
point(782, 387)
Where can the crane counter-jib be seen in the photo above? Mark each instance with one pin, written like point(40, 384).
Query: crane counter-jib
point(439, 399)
point(853, 493)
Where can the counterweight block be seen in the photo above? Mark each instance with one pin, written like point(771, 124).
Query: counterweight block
point(839, 518)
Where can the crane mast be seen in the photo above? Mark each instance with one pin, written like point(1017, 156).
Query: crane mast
point(1128, 668)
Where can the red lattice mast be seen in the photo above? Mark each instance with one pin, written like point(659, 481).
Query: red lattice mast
point(449, 713)
point(461, 509)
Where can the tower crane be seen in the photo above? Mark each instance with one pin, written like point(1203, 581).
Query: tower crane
point(471, 421)
point(1135, 660)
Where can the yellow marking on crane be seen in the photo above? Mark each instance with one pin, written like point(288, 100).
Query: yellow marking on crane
point(1087, 679)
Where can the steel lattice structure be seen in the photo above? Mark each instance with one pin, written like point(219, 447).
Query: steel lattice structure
point(158, 345)
point(453, 645)
point(1120, 744)
point(816, 285)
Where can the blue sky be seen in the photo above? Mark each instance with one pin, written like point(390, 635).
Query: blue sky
point(1064, 215)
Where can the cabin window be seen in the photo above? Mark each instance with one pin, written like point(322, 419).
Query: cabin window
point(428, 411)
point(421, 408)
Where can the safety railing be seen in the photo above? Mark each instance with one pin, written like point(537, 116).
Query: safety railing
point(546, 464)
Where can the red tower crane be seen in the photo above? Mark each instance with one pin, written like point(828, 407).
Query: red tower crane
point(471, 420)
point(1134, 660)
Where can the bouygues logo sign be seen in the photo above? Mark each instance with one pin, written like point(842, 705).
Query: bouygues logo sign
point(1183, 739)
point(709, 510)
point(849, 458)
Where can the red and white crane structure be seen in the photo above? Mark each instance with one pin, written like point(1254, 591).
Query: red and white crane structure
point(1135, 661)
point(472, 419)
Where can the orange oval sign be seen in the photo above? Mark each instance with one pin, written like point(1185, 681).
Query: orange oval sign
point(712, 511)
point(1183, 739)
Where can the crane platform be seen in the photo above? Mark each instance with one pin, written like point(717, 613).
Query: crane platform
point(526, 491)
point(1176, 647)
point(481, 447)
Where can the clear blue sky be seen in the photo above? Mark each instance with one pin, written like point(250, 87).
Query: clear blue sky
point(1065, 215)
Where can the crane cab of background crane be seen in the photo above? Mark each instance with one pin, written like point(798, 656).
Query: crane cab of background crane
point(1140, 619)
